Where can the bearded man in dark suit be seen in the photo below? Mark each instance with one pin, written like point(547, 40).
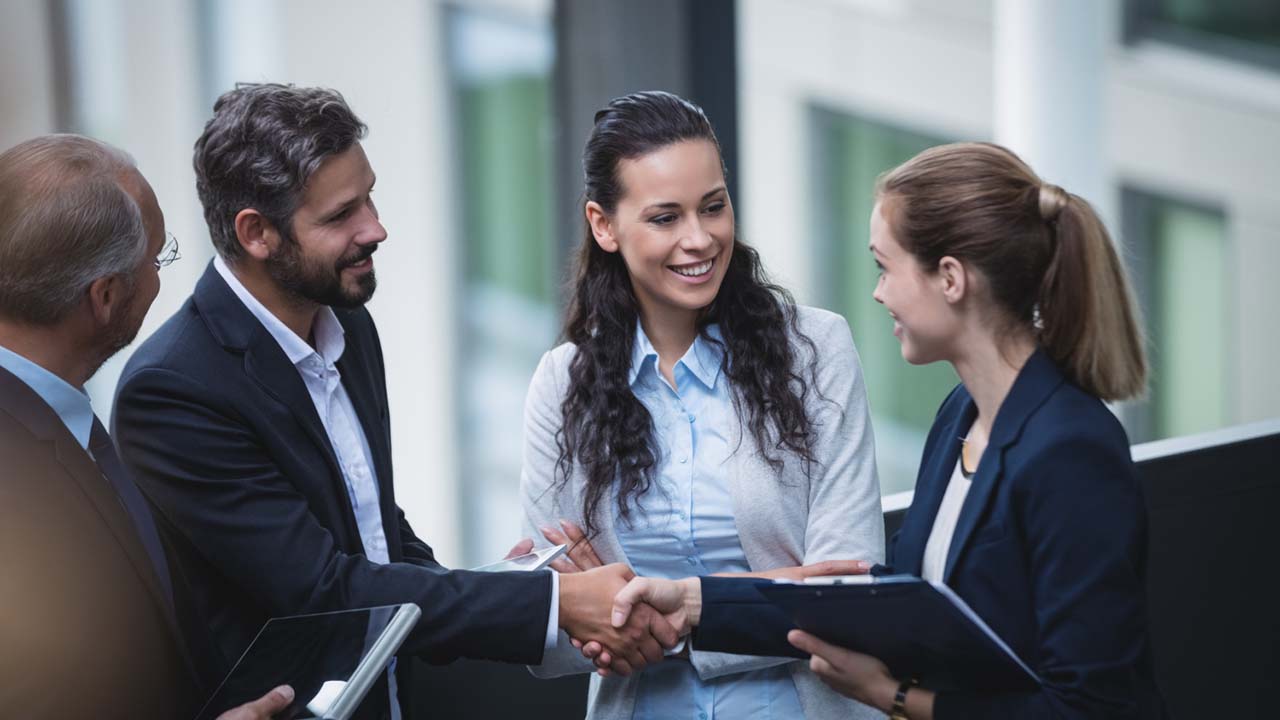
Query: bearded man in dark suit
point(256, 419)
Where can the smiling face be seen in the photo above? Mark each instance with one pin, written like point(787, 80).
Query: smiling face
point(674, 227)
point(328, 260)
point(924, 322)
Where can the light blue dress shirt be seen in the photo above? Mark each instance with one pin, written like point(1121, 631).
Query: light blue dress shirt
point(685, 526)
point(69, 403)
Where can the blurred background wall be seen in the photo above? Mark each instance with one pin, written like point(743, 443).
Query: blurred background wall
point(1163, 113)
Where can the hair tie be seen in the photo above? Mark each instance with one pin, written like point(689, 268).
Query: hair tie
point(1051, 200)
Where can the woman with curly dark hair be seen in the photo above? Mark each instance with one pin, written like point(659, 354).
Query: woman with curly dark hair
point(696, 421)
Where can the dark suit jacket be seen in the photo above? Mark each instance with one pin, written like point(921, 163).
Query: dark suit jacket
point(1049, 549)
point(223, 438)
point(85, 627)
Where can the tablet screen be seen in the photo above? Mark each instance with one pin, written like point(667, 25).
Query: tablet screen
point(536, 560)
point(314, 654)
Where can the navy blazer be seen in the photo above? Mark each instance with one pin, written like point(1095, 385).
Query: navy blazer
point(1049, 549)
point(86, 628)
point(224, 440)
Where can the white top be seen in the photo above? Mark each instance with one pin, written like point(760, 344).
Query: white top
point(944, 524)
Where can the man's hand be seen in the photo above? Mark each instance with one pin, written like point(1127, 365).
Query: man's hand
point(262, 708)
point(580, 555)
point(679, 601)
point(586, 605)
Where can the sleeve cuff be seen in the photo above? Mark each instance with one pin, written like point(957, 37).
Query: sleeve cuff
point(553, 618)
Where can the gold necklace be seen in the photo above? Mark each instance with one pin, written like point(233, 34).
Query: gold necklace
point(965, 462)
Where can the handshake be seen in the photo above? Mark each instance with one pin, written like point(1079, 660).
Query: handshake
point(623, 622)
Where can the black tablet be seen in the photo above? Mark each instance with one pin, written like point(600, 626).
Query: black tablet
point(329, 659)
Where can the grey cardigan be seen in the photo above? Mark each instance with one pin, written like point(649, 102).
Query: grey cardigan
point(783, 520)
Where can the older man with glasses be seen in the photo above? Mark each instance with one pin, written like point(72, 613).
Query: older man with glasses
point(88, 606)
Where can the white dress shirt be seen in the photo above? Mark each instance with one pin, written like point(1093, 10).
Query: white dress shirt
point(319, 371)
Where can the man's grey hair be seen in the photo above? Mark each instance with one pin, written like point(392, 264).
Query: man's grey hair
point(260, 148)
point(65, 221)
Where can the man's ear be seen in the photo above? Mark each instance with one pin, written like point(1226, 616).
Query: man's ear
point(954, 278)
point(256, 235)
point(107, 298)
point(601, 227)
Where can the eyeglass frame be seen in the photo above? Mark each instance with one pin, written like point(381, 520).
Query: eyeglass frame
point(168, 252)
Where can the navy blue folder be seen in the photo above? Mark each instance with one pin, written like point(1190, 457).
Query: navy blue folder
point(916, 628)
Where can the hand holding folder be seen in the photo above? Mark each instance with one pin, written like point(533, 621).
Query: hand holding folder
point(918, 629)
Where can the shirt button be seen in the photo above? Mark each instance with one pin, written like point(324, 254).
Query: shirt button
point(692, 560)
point(683, 459)
point(691, 417)
point(702, 716)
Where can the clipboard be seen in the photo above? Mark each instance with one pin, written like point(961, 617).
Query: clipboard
point(919, 629)
point(330, 659)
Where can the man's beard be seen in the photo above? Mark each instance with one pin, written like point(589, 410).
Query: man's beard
point(308, 280)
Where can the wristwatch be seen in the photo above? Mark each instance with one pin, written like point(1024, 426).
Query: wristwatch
point(899, 709)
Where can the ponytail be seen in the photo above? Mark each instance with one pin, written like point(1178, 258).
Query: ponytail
point(1089, 322)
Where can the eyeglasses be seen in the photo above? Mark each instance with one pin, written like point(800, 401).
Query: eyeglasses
point(168, 253)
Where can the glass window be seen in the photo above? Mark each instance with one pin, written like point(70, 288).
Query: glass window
point(500, 70)
point(849, 154)
point(1180, 266)
point(1247, 30)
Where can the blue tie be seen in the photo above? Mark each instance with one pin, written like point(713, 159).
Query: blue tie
point(104, 452)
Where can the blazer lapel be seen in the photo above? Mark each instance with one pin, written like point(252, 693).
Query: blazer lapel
point(975, 504)
point(360, 382)
point(266, 364)
point(1038, 378)
point(931, 485)
point(98, 490)
point(29, 409)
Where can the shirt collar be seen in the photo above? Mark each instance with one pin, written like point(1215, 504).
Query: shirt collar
point(641, 351)
point(70, 404)
point(328, 333)
point(703, 359)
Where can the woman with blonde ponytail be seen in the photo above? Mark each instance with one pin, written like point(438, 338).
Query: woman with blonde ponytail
point(1026, 505)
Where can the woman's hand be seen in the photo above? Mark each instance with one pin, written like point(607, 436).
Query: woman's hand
point(859, 676)
point(524, 547)
point(797, 573)
point(679, 601)
point(580, 556)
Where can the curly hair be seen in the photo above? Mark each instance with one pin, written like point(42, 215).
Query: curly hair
point(606, 430)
